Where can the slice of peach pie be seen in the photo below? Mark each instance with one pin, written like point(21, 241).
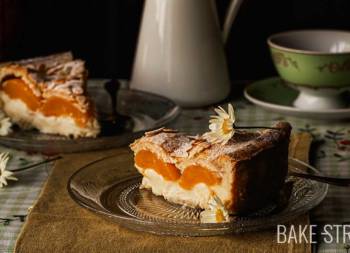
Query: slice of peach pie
point(244, 174)
point(49, 94)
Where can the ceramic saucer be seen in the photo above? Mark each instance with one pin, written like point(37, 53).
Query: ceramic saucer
point(272, 94)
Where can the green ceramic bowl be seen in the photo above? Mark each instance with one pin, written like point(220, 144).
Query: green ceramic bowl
point(312, 58)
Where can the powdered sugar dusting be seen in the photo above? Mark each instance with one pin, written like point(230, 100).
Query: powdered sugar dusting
point(219, 150)
point(182, 150)
point(160, 138)
point(179, 145)
point(176, 144)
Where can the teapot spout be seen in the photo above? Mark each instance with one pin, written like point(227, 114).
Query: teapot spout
point(230, 17)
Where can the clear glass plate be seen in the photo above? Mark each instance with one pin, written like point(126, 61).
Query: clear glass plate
point(146, 112)
point(110, 188)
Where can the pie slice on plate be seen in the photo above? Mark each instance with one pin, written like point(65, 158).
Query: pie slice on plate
point(244, 174)
point(49, 94)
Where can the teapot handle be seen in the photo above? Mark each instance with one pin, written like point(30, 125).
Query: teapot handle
point(230, 16)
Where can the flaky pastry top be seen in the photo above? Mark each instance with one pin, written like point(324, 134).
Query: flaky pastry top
point(242, 146)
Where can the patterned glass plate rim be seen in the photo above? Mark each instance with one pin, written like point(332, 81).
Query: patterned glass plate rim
point(146, 111)
point(119, 201)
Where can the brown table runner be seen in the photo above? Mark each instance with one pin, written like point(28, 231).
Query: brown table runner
point(58, 224)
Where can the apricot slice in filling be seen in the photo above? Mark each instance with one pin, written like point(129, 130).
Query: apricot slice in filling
point(56, 106)
point(196, 174)
point(18, 89)
point(191, 176)
point(147, 160)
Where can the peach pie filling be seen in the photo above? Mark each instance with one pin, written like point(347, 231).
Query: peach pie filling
point(191, 175)
point(53, 106)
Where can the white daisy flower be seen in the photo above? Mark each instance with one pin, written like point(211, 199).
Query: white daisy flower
point(221, 126)
point(5, 174)
point(216, 212)
point(5, 124)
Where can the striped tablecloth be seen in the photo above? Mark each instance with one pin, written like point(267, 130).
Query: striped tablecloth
point(331, 154)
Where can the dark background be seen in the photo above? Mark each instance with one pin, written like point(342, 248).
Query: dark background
point(104, 32)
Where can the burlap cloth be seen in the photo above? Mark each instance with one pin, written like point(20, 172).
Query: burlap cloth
point(57, 224)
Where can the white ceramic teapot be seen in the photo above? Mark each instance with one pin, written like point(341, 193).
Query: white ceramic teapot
point(180, 51)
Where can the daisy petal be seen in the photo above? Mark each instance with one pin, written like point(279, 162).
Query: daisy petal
point(231, 112)
point(12, 178)
point(5, 174)
point(221, 126)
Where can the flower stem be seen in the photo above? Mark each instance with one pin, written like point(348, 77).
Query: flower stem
point(255, 127)
point(37, 164)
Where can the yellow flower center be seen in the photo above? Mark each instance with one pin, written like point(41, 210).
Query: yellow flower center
point(226, 126)
point(219, 216)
